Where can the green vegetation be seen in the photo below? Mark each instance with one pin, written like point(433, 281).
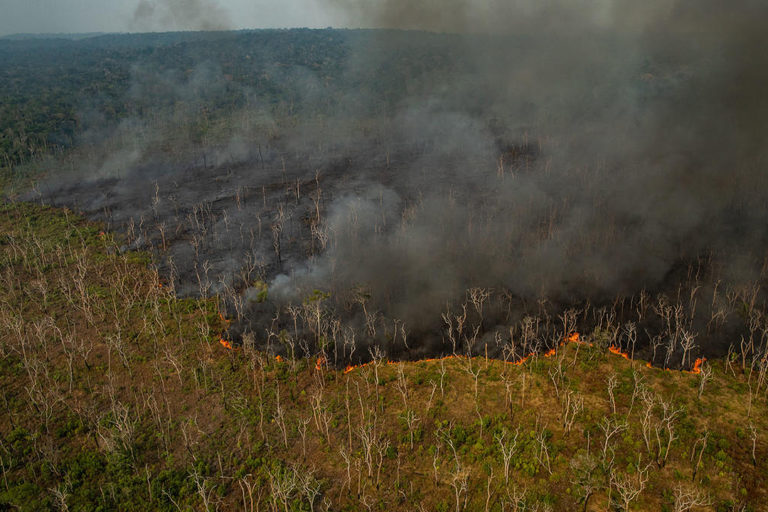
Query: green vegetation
point(59, 94)
point(116, 395)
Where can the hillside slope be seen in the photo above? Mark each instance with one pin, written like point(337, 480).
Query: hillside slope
point(118, 396)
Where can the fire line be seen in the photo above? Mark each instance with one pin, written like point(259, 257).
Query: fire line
point(574, 337)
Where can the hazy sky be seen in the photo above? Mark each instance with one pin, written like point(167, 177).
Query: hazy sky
point(34, 16)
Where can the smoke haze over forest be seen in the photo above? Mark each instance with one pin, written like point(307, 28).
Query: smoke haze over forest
point(89, 16)
point(560, 151)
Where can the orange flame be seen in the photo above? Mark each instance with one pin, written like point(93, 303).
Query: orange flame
point(697, 365)
point(224, 343)
point(617, 350)
point(320, 363)
point(574, 337)
point(351, 367)
point(278, 358)
point(521, 362)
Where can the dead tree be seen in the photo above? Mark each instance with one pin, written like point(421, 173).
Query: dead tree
point(696, 460)
point(705, 374)
point(507, 447)
point(630, 486)
point(611, 385)
point(687, 498)
point(610, 427)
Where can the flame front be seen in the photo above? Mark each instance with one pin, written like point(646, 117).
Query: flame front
point(613, 349)
point(574, 337)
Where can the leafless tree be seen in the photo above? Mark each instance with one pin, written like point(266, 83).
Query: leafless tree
point(701, 446)
point(377, 356)
point(637, 389)
point(474, 372)
point(571, 404)
point(320, 413)
point(542, 454)
point(630, 331)
point(507, 447)
point(611, 384)
point(557, 375)
point(436, 464)
point(753, 436)
point(302, 425)
point(488, 493)
point(657, 341)
point(374, 447)
point(347, 457)
point(658, 426)
point(204, 489)
point(402, 384)
point(459, 481)
point(477, 297)
point(687, 344)
point(448, 320)
point(630, 486)
point(687, 498)
point(280, 418)
point(442, 377)
point(411, 420)
point(705, 375)
point(431, 396)
point(283, 485)
point(517, 499)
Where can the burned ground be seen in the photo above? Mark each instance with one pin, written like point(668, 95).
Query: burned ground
point(391, 175)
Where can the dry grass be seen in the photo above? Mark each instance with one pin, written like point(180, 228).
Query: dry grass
point(118, 395)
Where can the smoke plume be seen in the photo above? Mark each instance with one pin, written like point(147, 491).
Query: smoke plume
point(649, 129)
point(561, 153)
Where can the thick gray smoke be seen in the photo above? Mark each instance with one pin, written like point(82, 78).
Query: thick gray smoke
point(648, 127)
point(561, 153)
